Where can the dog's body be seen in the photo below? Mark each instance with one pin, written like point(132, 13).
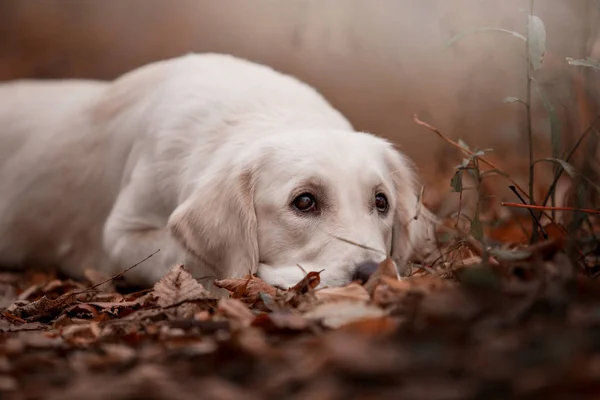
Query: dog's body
point(203, 157)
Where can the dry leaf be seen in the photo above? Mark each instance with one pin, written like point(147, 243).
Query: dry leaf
point(352, 291)
point(280, 321)
point(95, 277)
point(309, 282)
point(247, 289)
point(237, 312)
point(339, 313)
point(373, 327)
point(45, 306)
point(386, 268)
point(178, 286)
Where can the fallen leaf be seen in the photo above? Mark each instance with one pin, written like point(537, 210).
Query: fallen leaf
point(237, 312)
point(81, 334)
point(392, 291)
point(45, 306)
point(83, 308)
point(352, 291)
point(510, 255)
point(13, 319)
point(373, 327)
point(387, 268)
point(8, 294)
point(246, 289)
point(280, 321)
point(515, 230)
point(95, 277)
point(309, 282)
point(336, 314)
point(27, 293)
point(178, 286)
point(556, 231)
point(28, 326)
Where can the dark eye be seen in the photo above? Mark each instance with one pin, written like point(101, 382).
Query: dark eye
point(381, 203)
point(305, 202)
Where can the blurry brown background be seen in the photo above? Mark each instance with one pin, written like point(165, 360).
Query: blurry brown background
point(378, 61)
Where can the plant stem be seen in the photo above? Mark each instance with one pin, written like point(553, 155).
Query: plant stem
point(467, 151)
point(530, 122)
point(567, 157)
point(548, 208)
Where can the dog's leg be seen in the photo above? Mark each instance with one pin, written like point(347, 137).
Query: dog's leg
point(133, 231)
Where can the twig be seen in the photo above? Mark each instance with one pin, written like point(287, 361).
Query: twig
point(472, 243)
point(549, 208)
point(530, 122)
point(469, 152)
point(117, 275)
point(185, 301)
point(362, 246)
point(533, 216)
point(568, 157)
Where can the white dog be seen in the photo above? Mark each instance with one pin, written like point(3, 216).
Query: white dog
point(224, 165)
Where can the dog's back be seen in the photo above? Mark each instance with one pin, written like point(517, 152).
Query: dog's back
point(33, 185)
point(31, 108)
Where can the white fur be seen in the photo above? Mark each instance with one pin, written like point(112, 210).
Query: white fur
point(200, 157)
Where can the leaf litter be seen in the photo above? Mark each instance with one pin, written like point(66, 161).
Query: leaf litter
point(523, 326)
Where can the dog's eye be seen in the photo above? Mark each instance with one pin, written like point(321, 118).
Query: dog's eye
point(305, 202)
point(381, 203)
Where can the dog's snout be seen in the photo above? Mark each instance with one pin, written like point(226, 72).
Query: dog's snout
point(364, 270)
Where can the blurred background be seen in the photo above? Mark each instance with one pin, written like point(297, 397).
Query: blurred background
point(379, 62)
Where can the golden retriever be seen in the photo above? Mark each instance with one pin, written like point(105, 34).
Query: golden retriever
point(226, 166)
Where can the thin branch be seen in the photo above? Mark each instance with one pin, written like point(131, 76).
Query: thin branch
point(549, 208)
point(535, 218)
point(568, 157)
point(469, 152)
point(472, 243)
point(117, 275)
point(362, 246)
point(530, 120)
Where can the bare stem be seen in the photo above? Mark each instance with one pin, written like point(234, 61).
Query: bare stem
point(567, 157)
point(549, 208)
point(530, 122)
point(469, 152)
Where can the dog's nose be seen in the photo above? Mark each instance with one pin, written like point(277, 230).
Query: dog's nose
point(364, 270)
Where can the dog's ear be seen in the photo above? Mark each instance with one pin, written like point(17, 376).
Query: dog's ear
point(217, 222)
point(414, 226)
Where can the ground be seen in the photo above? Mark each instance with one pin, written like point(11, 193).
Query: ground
point(519, 323)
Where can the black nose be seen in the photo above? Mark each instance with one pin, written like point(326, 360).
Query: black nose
point(364, 270)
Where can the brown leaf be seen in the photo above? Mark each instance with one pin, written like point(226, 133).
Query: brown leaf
point(309, 282)
point(95, 277)
point(27, 293)
point(237, 312)
point(514, 230)
point(339, 313)
point(8, 294)
point(45, 306)
point(81, 334)
point(83, 308)
point(392, 290)
point(556, 231)
point(27, 326)
point(13, 319)
point(373, 327)
point(352, 291)
point(246, 289)
point(387, 268)
point(120, 308)
point(280, 321)
point(178, 286)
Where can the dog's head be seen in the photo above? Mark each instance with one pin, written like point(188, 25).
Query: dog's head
point(305, 201)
